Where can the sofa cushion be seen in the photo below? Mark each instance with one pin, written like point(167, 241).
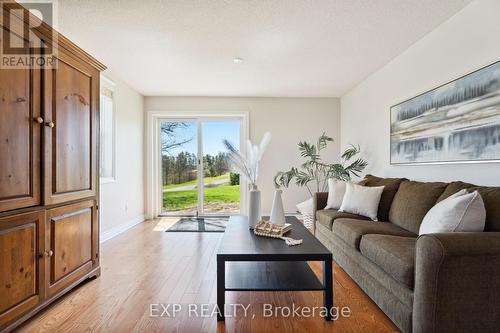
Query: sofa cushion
point(460, 212)
point(326, 217)
point(391, 186)
point(351, 230)
point(412, 201)
point(394, 254)
point(491, 199)
point(453, 188)
point(336, 192)
point(362, 200)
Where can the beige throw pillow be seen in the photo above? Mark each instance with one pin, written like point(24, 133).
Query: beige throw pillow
point(362, 200)
point(461, 211)
point(336, 191)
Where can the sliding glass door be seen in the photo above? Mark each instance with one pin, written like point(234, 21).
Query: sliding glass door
point(195, 172)
point(179, 166)
point(221, 188)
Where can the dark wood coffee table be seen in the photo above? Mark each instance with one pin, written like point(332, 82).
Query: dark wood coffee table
point(246, 262)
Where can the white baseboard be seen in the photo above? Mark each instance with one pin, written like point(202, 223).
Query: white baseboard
point(291, 213)
point(113, 232)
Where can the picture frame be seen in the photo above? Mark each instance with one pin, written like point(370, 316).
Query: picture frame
point(456, 122)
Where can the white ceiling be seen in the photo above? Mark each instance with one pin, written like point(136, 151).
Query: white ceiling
point(291, 48)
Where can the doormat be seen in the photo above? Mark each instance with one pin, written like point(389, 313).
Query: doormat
point(199, 224)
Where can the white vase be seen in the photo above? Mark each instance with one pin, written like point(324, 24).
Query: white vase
point(277, 212)
point(254, 209)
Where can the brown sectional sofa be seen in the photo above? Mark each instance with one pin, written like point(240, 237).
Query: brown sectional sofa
point(446, 282)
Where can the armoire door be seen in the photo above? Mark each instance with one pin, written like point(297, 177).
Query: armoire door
point(21, 243)
point(71, 239)
point(71, 130)
point(20, 146)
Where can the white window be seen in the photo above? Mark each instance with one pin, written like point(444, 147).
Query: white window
point(107, 168)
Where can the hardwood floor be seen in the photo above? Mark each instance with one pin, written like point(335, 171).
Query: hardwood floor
point(146, 266)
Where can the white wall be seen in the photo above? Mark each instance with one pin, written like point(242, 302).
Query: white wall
point(289, 120)
point(466, 42)
point(122, 201)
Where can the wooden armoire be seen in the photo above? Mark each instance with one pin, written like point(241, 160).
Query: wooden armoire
point(49, 174)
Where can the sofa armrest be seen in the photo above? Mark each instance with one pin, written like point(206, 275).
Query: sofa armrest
point(320, 200)
point(457, 283)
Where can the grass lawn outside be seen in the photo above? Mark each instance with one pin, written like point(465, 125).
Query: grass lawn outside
point(178, 200)
point(206, 181)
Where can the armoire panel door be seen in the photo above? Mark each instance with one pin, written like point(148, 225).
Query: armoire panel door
point(71, 239)
point(71, 128)
point(20, 146)
point(21, 246)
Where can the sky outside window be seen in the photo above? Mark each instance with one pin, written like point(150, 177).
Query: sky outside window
point(213, 134)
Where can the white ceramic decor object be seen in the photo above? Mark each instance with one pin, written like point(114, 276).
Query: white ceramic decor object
point(277, 212)
point(254, 207)
point(247, 165)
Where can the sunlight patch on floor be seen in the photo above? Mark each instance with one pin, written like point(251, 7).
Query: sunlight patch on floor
point(165, 222)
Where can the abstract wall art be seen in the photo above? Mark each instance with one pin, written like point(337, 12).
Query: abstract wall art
point(456, 122)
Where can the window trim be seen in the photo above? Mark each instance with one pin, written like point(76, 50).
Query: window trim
point(109, 84)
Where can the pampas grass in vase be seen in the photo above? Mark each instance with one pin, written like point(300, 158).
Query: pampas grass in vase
point(247, 165)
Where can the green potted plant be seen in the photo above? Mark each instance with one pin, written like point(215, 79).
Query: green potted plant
point(314, 173)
